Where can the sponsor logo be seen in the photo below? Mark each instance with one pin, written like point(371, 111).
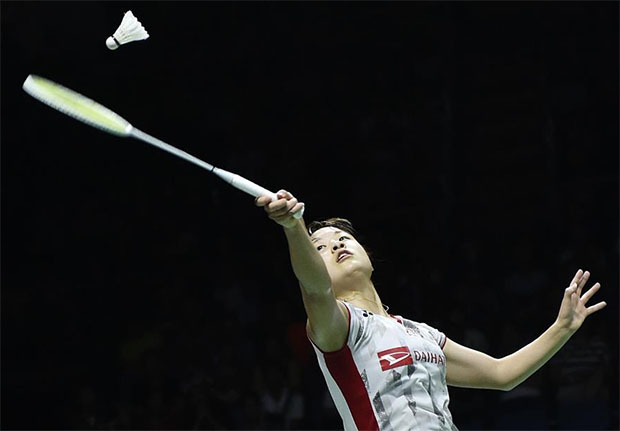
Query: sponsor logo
point(433, 358)
point(396, 357)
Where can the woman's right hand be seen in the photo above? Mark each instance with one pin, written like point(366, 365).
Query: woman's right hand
point(282, 210)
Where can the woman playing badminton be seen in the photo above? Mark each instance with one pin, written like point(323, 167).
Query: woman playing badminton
point(386, 372)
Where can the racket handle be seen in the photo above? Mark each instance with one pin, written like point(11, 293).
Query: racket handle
point(249, 187)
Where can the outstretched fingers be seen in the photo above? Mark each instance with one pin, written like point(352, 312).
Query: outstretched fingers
point(576, 278)
point(578, 282)
point(582, 282)
point(586, 297)
point(595, 308)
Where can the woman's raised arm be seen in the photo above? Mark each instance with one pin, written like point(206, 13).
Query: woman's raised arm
point(327, 318)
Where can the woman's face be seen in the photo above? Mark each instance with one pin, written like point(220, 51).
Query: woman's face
point(342, 254)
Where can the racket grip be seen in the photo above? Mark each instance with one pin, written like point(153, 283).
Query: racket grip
point(249, 187)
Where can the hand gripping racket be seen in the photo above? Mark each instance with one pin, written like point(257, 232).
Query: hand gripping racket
point(90, 112)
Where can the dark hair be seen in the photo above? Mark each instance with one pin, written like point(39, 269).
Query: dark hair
point(340, 223)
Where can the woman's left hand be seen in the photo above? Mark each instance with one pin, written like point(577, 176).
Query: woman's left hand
point(573, 310)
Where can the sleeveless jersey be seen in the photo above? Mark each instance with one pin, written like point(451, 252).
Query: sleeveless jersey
point(389, 376)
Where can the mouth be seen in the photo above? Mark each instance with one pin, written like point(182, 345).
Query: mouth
point(343, 255)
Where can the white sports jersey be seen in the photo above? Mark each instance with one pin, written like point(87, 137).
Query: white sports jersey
point(389, 376)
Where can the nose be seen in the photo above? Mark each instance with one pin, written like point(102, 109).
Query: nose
point(337, 245)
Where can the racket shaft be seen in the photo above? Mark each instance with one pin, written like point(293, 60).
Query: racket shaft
point(234, 180)
point(138, 134)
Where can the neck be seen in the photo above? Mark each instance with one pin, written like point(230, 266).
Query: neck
point(363, 295)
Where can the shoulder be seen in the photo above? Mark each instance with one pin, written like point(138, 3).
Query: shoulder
point(330, 332)
point(425, 331)
point(414, 324)
point(360, 326)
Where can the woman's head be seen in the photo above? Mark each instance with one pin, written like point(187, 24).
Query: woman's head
point(345, 258)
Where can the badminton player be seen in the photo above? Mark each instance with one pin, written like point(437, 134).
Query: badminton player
point(386, 372)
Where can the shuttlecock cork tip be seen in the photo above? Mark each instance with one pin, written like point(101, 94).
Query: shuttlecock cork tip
point(111, 43)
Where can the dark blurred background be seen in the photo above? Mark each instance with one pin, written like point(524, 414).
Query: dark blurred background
point(473, 145)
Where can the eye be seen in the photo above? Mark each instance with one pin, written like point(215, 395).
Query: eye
point(343, 238)
point(319, 247)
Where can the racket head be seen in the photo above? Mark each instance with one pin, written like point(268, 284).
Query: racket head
point(76, 105)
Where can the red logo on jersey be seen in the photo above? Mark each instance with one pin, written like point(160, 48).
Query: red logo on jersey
point(396, 357)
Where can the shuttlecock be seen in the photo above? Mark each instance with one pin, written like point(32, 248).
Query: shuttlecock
point(130, 30)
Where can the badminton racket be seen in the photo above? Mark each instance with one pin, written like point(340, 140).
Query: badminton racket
point(90, 112)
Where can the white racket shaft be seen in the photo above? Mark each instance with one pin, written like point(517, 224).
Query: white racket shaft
point(234, 180)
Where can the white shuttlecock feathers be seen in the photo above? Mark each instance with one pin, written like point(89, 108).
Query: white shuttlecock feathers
point(130, 30)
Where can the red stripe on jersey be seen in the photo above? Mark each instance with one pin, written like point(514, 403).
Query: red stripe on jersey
point(342, 368)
